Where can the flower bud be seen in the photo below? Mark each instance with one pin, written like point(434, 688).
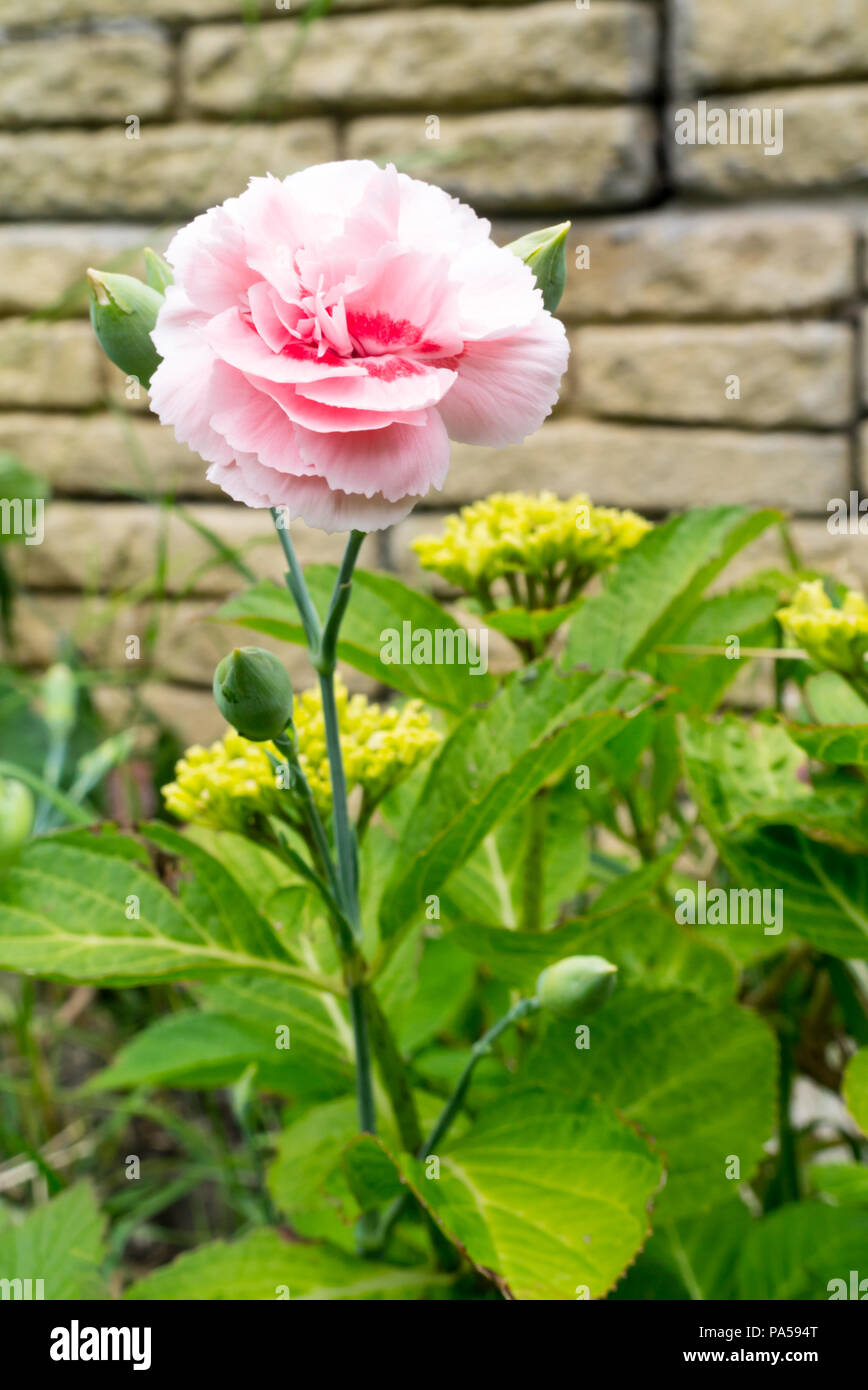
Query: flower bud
point(576, 986)
point(545, 252)
point(158, 272)
point(253, 693)
point(16, 814)
point(123, 311)
point(59, 696)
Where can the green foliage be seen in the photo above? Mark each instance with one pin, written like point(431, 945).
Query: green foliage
point(649, 1148)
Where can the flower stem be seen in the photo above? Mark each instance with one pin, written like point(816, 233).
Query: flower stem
point(447, 1115)
point(342, 875)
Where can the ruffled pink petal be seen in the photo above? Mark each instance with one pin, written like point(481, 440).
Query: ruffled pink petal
point(271, 328)
point(398, 461)
point(328, 419)
point(404, 302)
point(330, 510)
point(388, 383)
point(246, 480)
point(507, 387)
point(238, 343)
point(209, 261)
point(251, 422)
point(184, 389)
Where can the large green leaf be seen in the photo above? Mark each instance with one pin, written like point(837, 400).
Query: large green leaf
point(798, 1250)
point(640, 939)
point(378, 603)
point(537, 726)
point(742, 778)
point(697, 1075)
point(695, 1258)
point(552, 1198)
point(839, 744)
point(656, 585)
point(198, 1050)
point(842, 1184)
point(82, 907)
point(856, 1088)
point(264, 1265)
point(60, 1243)
point(700, 680)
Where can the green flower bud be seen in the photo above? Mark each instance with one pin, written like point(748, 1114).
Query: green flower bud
point(59, 696)
point(16, 814)
point(158, 273)
point(253, 693)
point(576, 986)
point(545, 252)
point(123, 311)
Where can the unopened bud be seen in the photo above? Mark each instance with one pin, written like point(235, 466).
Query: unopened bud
point(576, 986)
point(123, 312)
point(253, 693)
point(16, 814)
point(545, 252)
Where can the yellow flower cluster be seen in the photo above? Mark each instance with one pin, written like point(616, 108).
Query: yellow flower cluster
point(378, 745)
point(559, 543)
point(835, 638)
point(225, 785)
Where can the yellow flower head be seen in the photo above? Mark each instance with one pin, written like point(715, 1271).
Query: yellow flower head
point(378, 745)
point(835, 638)
point(558, 544)
point(224, 785)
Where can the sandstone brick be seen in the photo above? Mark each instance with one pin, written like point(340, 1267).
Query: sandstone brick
point(748, 42)
point(726, 264)
point(170, 172)
point(825, 146)
point(48, 364)
point(43, 264)
point(655, 467)
point(438, 59)
point(105, 454)
point(78, 77)
point(789, 374)
point(116, 546)
point(45, 12)
point(532, 159)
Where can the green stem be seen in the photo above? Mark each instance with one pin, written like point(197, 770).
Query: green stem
point(340, 871)
point(295, 583)
point(447, 1116)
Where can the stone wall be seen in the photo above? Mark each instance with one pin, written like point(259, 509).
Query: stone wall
point(691, 264)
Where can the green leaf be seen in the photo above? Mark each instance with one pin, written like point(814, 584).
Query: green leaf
point(838, 744)
point(427, 982)
point(798, 1250)
point(538, 725)
point(657, 584)
point(379, 603)
point(201, 1050)
point(697, 1074)
point(842, 1184)
point(80, 907)
point(644, 944)
point(61, 1243)
point(740, 779)
point(531, 624)
point(833, 700)
point(695, 1258)
point(549, 1197)
point(306, 1178)
point(700, 681)
point(856, 1088)
point(264, 1266)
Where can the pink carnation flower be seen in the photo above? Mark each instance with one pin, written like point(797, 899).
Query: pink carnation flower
point(327, 335)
